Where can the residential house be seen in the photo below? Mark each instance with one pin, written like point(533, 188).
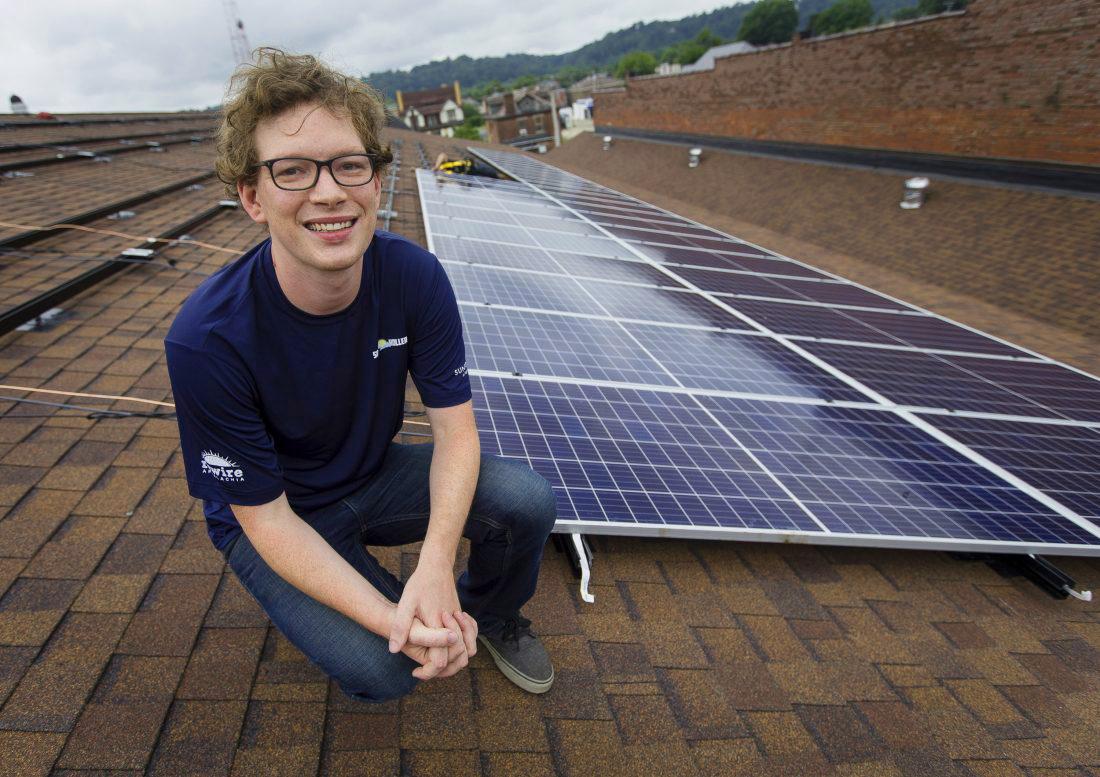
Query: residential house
point(437, 111)
point(520, 118)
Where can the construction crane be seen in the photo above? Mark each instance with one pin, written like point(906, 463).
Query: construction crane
point(242, 52)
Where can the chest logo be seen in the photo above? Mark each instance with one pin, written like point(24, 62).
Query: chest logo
point(221, 468)
point(383, 344)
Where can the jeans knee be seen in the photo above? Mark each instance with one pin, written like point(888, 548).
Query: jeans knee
point(538, 507)
point(511, 492)
point(376, 689)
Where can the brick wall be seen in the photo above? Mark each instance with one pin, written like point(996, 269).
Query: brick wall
point(1006, 78)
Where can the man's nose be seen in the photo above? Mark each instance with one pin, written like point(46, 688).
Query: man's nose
point(327, 189)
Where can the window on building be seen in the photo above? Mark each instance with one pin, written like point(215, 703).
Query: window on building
point(538, 123)
point(433, 121)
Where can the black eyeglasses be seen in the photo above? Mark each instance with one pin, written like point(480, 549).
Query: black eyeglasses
point(296, 174)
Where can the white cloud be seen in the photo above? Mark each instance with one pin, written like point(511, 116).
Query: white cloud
point(115, 55)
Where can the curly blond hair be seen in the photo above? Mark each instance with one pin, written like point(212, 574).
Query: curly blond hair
point(276, 82)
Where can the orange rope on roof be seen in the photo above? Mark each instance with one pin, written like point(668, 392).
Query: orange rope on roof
point(112, 233)
point(87, 396)
point(127, 399)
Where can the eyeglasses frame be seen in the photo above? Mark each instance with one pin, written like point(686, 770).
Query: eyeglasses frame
point(320, 163)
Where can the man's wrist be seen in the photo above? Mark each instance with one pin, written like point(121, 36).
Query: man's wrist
point(438, 554)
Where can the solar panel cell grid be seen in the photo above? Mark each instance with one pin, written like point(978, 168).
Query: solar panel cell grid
point(868, 471)
point(1063, 461)
point(501, 233)
point(613, 269)
point(774, 266)
point(684, 256)
point(521, 289)
point(630, 456)
point(483, 252)
point(923, 380)
point(842, 294)
point(807, 320)
point(555, 346)
point(635, 302)
point(594, 246)
point(733, 362)
point(1062, 390)
point(924, 331)
point(735, 283)
point(649, 236)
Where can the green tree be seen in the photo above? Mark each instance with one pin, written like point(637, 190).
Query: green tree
point(707, 38)
point(522, 81)
point(636, 63)
point(769, 21)
point(466, 132)
point(843, 15)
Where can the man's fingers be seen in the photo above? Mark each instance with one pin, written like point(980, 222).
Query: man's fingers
point(402, 624)
point(438, 656)
point(428, 637)
point(469, 632)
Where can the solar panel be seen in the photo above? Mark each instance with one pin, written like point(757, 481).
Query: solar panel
point(542, 344)
point(653, 410)
point(1061, 460)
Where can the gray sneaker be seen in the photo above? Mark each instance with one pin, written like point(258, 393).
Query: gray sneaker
point(519, 654)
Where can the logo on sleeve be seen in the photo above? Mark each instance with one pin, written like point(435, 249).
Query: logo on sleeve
point(221, 468)
point(383, 344)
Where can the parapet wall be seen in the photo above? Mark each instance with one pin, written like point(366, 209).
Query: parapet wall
point(1006, 78)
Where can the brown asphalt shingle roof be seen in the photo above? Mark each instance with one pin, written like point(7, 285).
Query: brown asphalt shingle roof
point(126, 646)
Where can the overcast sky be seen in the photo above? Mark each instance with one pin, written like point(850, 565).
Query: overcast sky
point(128, 55)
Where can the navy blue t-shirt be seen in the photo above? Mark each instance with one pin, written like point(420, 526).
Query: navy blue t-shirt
point(270, 398)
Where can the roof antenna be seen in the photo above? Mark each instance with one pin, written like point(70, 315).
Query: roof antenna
point(242, 52)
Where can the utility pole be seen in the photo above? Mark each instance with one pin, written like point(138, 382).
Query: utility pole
point(242, 52)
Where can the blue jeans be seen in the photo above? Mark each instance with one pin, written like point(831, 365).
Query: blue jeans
point(512, 514)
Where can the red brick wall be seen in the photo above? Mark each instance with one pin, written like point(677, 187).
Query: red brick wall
point(1007, 78)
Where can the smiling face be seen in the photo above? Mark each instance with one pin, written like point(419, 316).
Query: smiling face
point(319, 233)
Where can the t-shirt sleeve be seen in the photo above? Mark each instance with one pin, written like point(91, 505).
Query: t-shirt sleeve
point(437, 355)
point(228, 454)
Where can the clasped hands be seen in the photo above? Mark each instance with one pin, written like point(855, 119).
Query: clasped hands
point(429, 626)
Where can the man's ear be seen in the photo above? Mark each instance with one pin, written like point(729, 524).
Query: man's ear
point(247, 194)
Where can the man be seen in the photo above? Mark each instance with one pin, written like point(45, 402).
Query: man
point(288, 368)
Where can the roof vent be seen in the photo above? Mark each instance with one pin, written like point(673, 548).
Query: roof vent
point(122, 215)
point(914, 193)
point(694, 155)
point(606, 142)
point(18, 106)
point(18, 174)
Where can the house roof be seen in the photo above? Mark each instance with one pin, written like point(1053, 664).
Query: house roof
point(706, 62)
point(126, 644)
point(428, 97)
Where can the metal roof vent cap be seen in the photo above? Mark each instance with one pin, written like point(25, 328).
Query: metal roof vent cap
point(18, 106)
point(693, 157)
point(914, 192)
point(606, 142)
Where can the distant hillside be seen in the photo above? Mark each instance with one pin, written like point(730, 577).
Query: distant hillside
point(601, 54)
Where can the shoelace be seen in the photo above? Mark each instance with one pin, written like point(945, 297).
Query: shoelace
point(514, 628)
